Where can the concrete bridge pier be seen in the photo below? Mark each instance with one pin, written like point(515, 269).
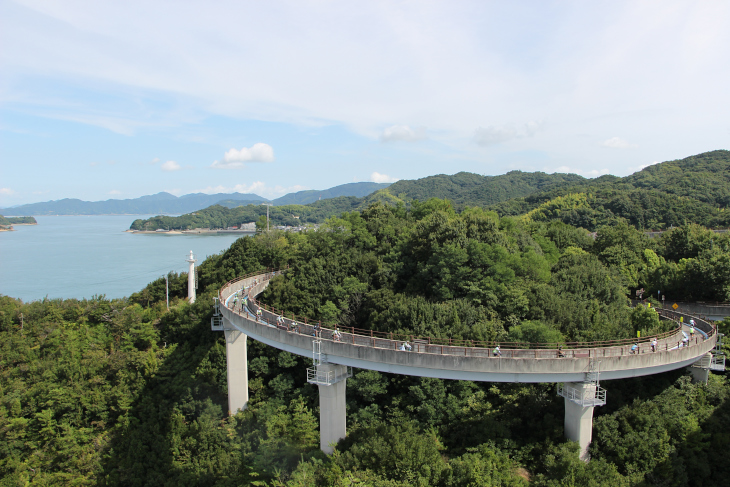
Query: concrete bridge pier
point(237, 373)
point(332, 411)
point(579, 417)
point(701, 369)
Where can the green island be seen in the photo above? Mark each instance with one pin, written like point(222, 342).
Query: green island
point(6, 222)
point(126, 392)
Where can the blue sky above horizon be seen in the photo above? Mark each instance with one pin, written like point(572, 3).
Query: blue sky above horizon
point(104, 100)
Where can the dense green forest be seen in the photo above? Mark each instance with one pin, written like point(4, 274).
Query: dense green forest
point(675, 193)
point(468, 189)
point(17, 220)
point(692, 190)
point(125, 392)
point(219, 216)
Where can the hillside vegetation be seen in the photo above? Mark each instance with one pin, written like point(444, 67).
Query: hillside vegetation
point(674, 193)
point(17, 220)
point(670, 194)
point(124, 392)
point(468, 189)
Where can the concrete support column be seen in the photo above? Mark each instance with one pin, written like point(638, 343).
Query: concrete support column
point(191, 260)
point(237, 362)
point(579, 419)
point(699, 374)
point(332, 411)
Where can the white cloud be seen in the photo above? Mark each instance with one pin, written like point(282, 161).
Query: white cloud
point(6, 191)
point(640, 167)
point(586, 68)
point(115, 191)
point(376, 177)
point(592, 173)
point(497, 134)
point(403, 133)
point(493, 135)
point(170, 166)
point(618, 143)
point(234, 158)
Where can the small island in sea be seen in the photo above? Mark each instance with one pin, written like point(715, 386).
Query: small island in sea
point(6, 223)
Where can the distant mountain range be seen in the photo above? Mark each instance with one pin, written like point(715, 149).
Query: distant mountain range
point(691, 190)
point(166, 203)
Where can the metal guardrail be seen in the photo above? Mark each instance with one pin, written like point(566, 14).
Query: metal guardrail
point(589, 397)
point(326, 378)
point(718, 363)
point(667, 341)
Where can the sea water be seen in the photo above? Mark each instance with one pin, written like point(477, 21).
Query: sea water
point(82, 256)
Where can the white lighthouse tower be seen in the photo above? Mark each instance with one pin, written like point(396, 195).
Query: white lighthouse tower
point(191, 277)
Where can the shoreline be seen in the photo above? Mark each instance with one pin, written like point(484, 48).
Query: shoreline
point(197, 231)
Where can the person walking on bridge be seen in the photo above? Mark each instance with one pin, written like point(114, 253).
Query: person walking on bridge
point(497, 352)
point(653, 344)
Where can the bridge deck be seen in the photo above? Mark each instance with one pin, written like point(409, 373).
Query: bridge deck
point(459, 361)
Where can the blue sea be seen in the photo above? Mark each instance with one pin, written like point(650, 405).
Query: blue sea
point(80, 256)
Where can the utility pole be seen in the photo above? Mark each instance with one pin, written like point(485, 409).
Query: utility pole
point(167, 291)
point(267, 214)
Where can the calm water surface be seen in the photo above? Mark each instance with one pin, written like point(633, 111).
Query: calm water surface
point(79, 256)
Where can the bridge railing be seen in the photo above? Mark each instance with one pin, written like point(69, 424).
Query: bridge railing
point(666, 341)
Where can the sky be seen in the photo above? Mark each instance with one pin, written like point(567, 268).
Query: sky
point(102, 99)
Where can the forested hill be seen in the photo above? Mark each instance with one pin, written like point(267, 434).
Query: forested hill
point(468, 189)
point(691, 190)
point(704, 177)
point(128, 393)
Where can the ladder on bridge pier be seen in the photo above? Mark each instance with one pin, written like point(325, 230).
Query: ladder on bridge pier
point(216, 321)
point(718, 355)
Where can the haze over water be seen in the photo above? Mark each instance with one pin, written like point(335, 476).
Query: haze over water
point(80, 256)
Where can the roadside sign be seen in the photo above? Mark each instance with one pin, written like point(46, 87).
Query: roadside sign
point(675, 306)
